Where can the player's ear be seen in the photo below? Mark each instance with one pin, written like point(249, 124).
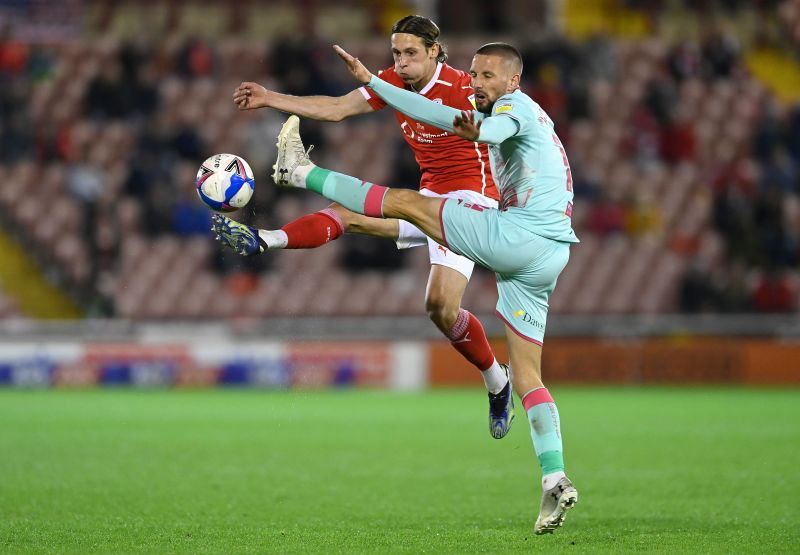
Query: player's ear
point(513, 83)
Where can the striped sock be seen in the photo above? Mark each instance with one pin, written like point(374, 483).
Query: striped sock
point(354, 194)
point(545, 431)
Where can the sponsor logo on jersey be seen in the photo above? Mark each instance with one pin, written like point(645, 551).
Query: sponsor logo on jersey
point(504, 108)
point(437, 100)
point(406, 129)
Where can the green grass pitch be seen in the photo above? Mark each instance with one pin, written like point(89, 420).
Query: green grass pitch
point(686, 470)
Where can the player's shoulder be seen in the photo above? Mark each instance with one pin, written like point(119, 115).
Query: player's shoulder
point(516, 103)
point(452, 74)
point(390, 75)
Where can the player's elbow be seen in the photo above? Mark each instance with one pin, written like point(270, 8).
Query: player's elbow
point(336, 113)
point(485, 142)
point(487, 139)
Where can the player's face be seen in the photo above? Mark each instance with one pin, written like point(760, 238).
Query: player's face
point(412, 61)
point(492, 77)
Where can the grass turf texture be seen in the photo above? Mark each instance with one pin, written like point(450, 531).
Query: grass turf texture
point(695, 470)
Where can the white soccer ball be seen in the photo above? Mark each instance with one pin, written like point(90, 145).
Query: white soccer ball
point(225, 182)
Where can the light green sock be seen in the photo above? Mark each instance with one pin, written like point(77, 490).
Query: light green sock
point(354, 194)
point(545, 430)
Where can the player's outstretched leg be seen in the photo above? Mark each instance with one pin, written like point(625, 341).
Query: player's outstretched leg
point(294, 168)
point(307, 232)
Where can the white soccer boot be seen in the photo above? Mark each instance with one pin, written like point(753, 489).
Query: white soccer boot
point(555, 503)
point(293, 163)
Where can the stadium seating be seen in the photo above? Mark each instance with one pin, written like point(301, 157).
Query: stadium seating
point(643, 213)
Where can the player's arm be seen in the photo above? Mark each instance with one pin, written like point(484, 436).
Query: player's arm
point(249, 96)
point(464, 123)
point(411, 104)
point(493, 130)
point(416, 106)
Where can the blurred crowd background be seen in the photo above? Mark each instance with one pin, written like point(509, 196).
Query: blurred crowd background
point(680, 118)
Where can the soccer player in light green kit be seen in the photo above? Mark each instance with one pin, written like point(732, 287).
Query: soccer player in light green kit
point(525, 242)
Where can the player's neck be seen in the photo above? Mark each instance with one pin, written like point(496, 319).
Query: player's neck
point(422, 83)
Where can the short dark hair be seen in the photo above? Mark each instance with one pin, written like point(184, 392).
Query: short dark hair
point(423, 28)
point(503, 50)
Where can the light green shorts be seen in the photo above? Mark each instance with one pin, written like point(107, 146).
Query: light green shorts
point(527, 265)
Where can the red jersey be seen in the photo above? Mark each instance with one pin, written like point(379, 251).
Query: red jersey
point(448, 162)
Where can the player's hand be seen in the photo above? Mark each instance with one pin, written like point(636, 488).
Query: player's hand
point(354, 65)
point(465, 127)
point(249, 96)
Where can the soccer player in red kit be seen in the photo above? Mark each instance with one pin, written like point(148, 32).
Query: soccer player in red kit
point(451, 167)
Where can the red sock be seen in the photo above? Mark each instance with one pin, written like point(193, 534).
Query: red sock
point(469, 339)
point(313, 230)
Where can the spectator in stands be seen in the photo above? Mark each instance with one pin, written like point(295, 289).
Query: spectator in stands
point(773, 293)
point(769, 130)
point(642, 215)
point(548, 92)
point(732, 217)
point(606, 216)
point(779, 171)
point(677, 140)
point(86, 181)
point(685, 61)
point(585, 186)
point(661, 97)
point(721, 54)
point(776, 248)
point(643, 137)
point(696, 291)
point(189, 216)
point(196, 59)
point(16, 128)
point(186, 142)
point(600, 58)
point(792, 133)
point(294, 64)
point(731, 292)
point(13, 54)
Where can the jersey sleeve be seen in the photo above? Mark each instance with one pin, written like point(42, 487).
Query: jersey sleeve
point(414, 105)
point(495, 130)
point(373, 99)
point(508, 106)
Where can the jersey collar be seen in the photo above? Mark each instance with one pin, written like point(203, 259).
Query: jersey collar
point(432, 82)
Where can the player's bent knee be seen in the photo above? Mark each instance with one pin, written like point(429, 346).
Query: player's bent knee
point(348, 217)
point(407, 205)
point(415, 208)
point(441, 309)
